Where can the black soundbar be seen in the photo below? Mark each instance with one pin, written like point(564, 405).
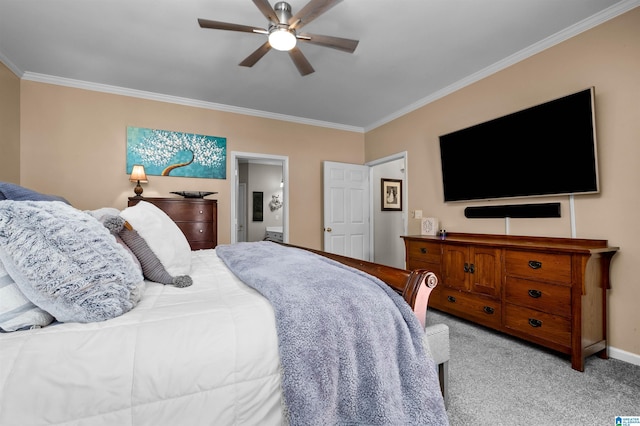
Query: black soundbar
point(514, 210)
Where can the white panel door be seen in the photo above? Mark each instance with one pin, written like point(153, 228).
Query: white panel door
point(346, 210)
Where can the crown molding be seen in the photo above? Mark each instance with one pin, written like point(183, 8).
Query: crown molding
point(591, 22)
point(12, 67)
point(123, 91)
point(557, 38)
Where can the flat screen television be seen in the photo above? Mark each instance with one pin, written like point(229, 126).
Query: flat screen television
point(548, 149)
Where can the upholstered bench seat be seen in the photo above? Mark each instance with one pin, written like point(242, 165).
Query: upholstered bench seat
point(438, 338)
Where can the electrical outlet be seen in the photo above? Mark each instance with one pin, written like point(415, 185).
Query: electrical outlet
point(417, 214)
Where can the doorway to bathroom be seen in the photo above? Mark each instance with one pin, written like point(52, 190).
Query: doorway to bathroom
point(259, 195)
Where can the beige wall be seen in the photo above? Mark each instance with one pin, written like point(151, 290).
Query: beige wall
point(9, 126)
point(73, 144)
point(606, 57)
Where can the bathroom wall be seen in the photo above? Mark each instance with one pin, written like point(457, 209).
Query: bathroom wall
point(266, 179)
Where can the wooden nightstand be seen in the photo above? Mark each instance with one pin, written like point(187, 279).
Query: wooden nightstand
point(196, 217)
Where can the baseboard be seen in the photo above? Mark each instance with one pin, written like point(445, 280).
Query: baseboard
point(625, 356)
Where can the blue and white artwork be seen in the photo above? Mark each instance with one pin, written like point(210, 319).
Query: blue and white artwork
point(166, 153)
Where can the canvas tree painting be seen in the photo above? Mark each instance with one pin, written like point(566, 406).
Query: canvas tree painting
point(167, 153)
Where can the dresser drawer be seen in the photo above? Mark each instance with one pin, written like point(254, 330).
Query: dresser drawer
point(539, 266)
point(551, 298)
point(545, 326)
point(274, 236)
point(413, 264)
point(197, 231)
point(426, 251)
point(479, 309)
point(196, 218)
point(201, 245)
point(189, 211)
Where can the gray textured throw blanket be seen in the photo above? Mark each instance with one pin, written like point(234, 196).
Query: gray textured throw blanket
point(351, 349)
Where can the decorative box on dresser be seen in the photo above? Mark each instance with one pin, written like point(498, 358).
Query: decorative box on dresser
point(549, 291)
point(196, 217)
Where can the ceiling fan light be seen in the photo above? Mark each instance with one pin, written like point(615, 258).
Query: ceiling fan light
point(282, 39)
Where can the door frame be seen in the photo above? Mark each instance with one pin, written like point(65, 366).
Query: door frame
point(284, 160)
point(403, 155)
point(241, 201)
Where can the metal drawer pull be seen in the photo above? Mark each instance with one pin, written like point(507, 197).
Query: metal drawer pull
point(201, 231)
point(423, 250)
point(451, 299)
point(466, 267)
point(201, 211)
point(535, 323)
point(534, 264)
point(535, 293)
point(488, 310)
point(472, 268)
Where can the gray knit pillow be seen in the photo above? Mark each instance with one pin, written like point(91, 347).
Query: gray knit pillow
point(66, 262)
point(152, 268)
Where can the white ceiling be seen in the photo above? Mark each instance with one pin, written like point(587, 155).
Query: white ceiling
point(410, 51)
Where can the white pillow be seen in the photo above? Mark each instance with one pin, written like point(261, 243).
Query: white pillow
point(16, 311)
point(162, 235)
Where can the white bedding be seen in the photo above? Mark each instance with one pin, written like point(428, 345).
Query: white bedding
point(205, 354)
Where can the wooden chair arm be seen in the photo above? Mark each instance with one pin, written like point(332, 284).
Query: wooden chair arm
point(417, 291)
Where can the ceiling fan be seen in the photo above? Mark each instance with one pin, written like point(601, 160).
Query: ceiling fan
point(283, 30)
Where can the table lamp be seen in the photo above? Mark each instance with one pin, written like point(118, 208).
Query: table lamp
point(138, 175)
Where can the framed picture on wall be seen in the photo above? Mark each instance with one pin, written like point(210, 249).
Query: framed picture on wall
point(257, 206)
point(391, 194)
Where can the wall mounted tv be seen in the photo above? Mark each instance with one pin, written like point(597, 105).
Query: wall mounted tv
point(548, 149)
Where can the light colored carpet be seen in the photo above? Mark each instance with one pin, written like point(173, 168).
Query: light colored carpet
point(499, 380)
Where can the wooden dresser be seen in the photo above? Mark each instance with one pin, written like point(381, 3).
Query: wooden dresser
point(196, 217)
point(549, 291)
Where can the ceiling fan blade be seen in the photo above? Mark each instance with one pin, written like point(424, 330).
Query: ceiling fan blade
point(304, 67)
point(266, 10)
point(311, 11)
point(345, 44)
point(217, 25)
point(256, 55)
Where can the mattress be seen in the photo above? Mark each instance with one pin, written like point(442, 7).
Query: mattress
point(204, 354)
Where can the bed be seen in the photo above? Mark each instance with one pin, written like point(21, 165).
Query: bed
point(204, 344)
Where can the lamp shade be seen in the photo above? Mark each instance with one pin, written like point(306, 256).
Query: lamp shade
point(138, 174)
point(282, 39)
